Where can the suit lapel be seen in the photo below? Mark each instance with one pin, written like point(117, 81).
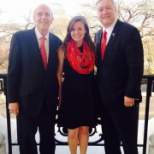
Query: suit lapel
point(112, 38)
point(50, 49)
point(98, 40)
point(100, 36)
point(35, 46)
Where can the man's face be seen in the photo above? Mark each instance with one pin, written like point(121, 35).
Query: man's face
point(43, 18)
point(106, 12)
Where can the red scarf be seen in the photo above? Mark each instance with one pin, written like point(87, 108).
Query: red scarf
point(81, 62)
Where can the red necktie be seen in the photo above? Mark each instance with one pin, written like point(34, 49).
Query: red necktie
point(43, 51)
point(103, 43)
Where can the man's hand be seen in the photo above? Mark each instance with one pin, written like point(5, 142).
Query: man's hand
point(129, 102)
point(14, 108)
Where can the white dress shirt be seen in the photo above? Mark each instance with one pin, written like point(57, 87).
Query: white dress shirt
point(39, 36)
point(109, 30)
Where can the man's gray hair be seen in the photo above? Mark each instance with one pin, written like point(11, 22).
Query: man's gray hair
point(102, 0)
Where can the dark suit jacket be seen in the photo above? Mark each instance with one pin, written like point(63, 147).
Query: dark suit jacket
point(120, 73)
point(28, 82)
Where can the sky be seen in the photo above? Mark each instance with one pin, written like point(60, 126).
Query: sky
point(14, 10)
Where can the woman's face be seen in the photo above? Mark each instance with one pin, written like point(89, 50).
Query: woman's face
point(78, 32)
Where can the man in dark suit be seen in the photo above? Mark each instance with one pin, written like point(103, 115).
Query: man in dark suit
point(32, 83)
point(119, 74)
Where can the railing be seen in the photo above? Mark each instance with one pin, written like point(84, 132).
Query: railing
point(62, 131)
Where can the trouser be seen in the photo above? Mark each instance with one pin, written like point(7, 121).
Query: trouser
point(27, 128)
point(120, 125)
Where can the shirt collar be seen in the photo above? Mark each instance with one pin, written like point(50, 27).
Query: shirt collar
point(110, 28)
point(39, 35)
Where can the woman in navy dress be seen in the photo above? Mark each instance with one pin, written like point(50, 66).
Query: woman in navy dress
point(76, 95)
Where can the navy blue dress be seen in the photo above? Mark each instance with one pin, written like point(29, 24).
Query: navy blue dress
point(77, 107)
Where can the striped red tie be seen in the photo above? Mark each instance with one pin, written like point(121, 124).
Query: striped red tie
point(43, 51)
point(103, 43)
